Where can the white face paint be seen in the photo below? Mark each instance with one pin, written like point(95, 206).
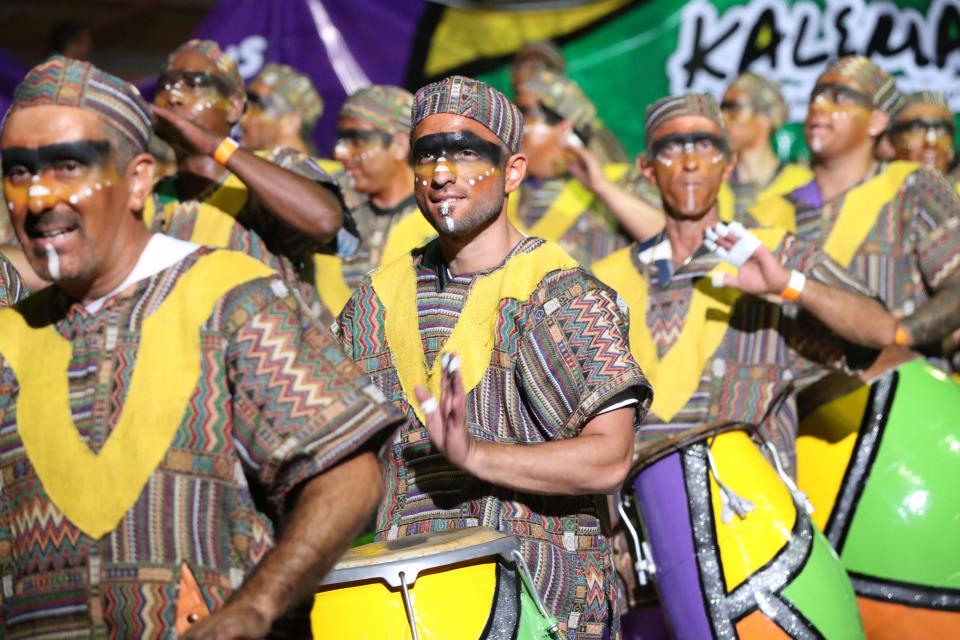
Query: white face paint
point(816, 144)
point(664, 161)
point(38, 191)
point(445, 212)
point(53, 262)
point(691, 201)
point(931, 136)
point(839, 115)
point(717, 159)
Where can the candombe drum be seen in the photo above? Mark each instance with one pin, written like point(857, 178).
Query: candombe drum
point(461, 584)
point(881, 465)
point(735, 557)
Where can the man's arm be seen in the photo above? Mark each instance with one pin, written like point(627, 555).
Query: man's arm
point(329, 513)
point(594, 462)
point(936, 321)
point(304, 204)
point(852, 316)
point(640, 219)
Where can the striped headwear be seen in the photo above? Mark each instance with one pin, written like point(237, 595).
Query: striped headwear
point(472, 99)
point(688, 104)
point(765, 97)
point(543, 50)
point(289, 91)
point(564, 97)
point(225, 67)
point(879, 85)
point(933, 98)
point(383, 106)
point(74, 83)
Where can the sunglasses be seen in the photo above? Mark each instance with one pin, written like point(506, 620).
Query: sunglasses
point(193, 81)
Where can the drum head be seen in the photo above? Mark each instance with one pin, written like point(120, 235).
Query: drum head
point(649, 452)
point(386, 559)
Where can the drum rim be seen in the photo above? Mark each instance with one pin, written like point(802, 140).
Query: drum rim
point(660, 449)
point(390, 571)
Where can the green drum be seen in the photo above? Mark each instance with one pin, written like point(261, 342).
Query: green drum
point(881, 465)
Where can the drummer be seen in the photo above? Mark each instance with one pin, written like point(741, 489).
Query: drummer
point(540, 396)
point(718, 344)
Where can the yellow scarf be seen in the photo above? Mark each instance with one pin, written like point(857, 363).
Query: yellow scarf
point(676, 376)
point(788, 179)
point(216, 215)
point(858, 214)
point(473, 336)
point(95, 490)
point(410, 232)
point(563, 212)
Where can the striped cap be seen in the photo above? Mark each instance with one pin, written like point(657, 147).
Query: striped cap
point(564, 97)
point(290, 91)
point(879, 85)
point(688, 104)
point(932, 98)
point(543, 50)
point(472, 99)
point(225, 67)
point(765, 97)
point(74, 83)
point(383, 106)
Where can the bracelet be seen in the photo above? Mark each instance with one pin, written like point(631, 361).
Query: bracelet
point(900, 337)
point(226, 148)
point(794, 287)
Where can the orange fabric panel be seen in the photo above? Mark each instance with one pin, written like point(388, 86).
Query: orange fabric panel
point(888, 620)
point(757, 626)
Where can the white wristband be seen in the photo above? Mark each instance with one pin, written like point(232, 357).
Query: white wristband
point(794, 286)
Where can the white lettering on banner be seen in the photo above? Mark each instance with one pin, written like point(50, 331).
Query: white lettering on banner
point(793, 44)
point(250, 55)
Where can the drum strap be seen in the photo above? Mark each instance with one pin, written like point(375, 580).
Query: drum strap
point(676, 376)
point(572, 202)
point(95, 490)
point(473, 336)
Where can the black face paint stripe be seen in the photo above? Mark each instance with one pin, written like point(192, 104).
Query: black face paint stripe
point(91, 153)
point(927, 123)
point(683, 138)
point(441, 144)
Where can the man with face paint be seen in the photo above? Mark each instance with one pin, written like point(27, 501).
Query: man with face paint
point(373, 145)
point(282, 110)
point(753, 109)
point(923, 131)
point(278, 206)
point(509, 361)
point(151, 393)
point(895, 226)
point(746, 346)
point(570, 191)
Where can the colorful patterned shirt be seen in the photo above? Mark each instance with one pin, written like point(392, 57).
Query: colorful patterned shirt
point(562, 210)
point(912, 250)
point(12, 290)
point(276, 404)
point(787, 177)
point(766, 349)
point(559, 359)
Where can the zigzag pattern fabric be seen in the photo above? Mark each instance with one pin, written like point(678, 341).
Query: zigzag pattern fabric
point(935, 98)
point(558, 359)
point(74, 83)
point(291, 91)
point(384, 106)
point(473, 99)
point(765, 96)
point(225, 66)
point(564, 97)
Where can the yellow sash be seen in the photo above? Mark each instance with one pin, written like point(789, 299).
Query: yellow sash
point(95, 490)
point(791, 177)
point(676, 376)
point(860, 210)
point(775, 211)
point(563, 212)
point(726, 203)
point(473, 336)
point(216, 216)
point(410, 232)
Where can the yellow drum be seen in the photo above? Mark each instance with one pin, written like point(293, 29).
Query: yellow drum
point(466, 583)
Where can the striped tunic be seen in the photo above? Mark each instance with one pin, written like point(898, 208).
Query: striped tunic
point(766, 347)
point(12, 290)
point(276, 404)
point(911, 252)
point(559, 359)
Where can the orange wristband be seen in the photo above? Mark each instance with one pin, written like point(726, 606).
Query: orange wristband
point(226, 148)
point(900, 337)
point(794, 287)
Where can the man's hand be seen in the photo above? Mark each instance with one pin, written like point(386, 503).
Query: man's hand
point(232, 622)
point(447, 422)
point(583, 164)
point(183, 134)
point(760, 273)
